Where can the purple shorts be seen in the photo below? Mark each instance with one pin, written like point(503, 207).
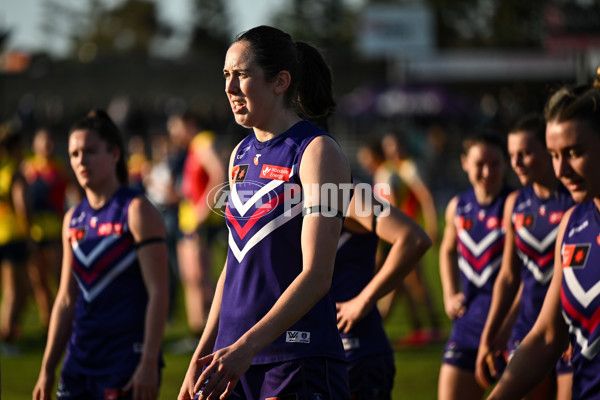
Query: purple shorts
point(303, 379)
point(372, 377)
point(465, 359)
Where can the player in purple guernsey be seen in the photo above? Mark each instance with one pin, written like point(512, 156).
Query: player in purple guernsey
point(111, 306)
point(271, 331)
point(470, 257)
point(356, 287)
point(531, 218)
point(572, 304)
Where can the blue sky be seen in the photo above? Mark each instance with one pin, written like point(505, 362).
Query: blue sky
point(25, 17)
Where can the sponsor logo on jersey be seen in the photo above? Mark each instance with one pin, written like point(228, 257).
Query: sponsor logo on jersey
point(297, 337)
point(78, 234)
point(275, 172)
point(350, 343)
point(108, 228)
point(555, 217)
point(575, 255)
point(78, 219)
point(239, 172)
point(242, 153)
point(256, 157)
point(524, 220)
point(464, 223)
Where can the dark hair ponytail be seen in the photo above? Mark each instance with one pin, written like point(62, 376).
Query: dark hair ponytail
point(315, 88)
point(310, 93)
point(100, 123)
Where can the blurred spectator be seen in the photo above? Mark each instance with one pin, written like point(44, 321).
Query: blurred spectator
point(137, 161)
point(414, 198)
point(201, 171)
point(47, 179)
point(159, 183)
point(14, 230)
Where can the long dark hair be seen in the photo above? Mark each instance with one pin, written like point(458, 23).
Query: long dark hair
point(311, 88)
point(100, 123)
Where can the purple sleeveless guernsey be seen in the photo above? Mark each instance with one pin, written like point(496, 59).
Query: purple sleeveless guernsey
point(580, 297)
point(354, 269)
point(108, 328)
point(535, 222)
point(264, 217)
point(480, 242)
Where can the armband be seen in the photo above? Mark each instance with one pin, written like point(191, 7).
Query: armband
point(326, 212)
point(150, 241)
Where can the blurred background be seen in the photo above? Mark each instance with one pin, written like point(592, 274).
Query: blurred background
point(432, 70)
point(429, 71)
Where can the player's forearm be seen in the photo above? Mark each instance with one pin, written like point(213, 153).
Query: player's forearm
point(156, 319)
point(59, 330)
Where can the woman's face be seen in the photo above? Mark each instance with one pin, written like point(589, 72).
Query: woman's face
point(528, 157)
point(575, 148)
point(251, 97)
point(484, 165)
point(91, 160)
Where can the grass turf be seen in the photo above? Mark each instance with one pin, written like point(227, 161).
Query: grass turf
point(416, 376)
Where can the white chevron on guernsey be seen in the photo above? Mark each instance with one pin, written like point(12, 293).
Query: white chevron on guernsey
point(243, 208)
point(88, 259)
point(539, 246)
point(583, 297)
point(263, 232)
point(478, 279)
point(99, 286)
point(344, 237)
point(540, 275)
point(578, 228)
point(478, 248)
point(587, 350)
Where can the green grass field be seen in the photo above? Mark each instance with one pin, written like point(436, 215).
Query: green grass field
point(416, 377)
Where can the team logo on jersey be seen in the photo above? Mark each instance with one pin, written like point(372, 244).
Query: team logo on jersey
point(464, 223)
point(524, 220)
point(542, 210)
point(239, 172)
point(481, 215)
point(275, 172)
point(575, 255)
point(297, 337)
point(78, 234)
point(256, 157)
point(555, 217)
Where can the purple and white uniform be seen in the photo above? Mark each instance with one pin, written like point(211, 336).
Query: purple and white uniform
point(480, 242)
point(535, 223)
point(580, 296)
point(108, 327)
point(368, 352)
point(354, 269)
point(264, 217)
